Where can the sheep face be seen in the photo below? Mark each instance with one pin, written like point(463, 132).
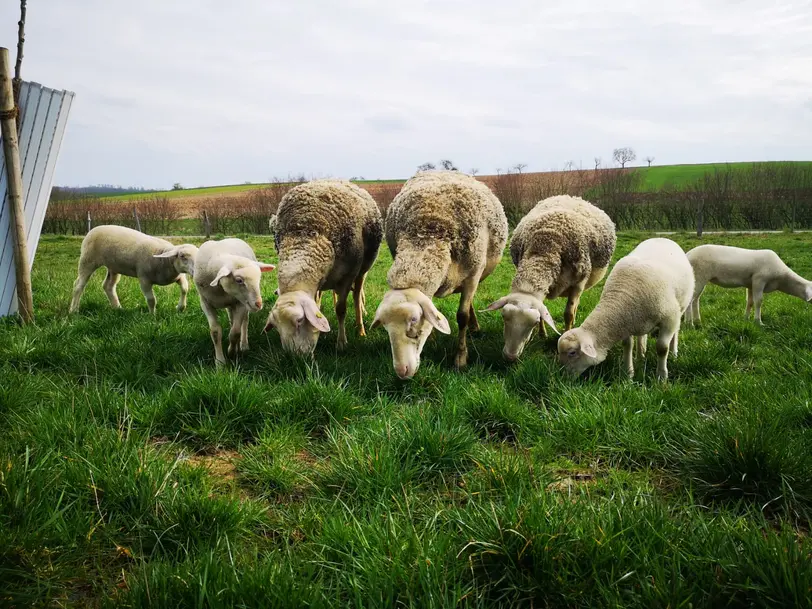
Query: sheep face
point(577, 351)
point(299, 322)
point(183, 258)
point(242, 282)
point(409, 316)
point(521, 313)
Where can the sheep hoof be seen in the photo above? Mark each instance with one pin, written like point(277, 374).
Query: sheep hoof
point(219, 363)
point(461, 361)
point(341, 343)
point(181, 308)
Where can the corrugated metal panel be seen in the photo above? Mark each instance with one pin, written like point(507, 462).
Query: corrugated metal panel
point(44, 114)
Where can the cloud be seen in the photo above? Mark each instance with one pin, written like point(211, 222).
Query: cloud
point(199, 91)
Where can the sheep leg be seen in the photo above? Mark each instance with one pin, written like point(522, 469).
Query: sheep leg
point(543, 328)
point(216, 331)
point(341, 315)
point(85, 271)
point(239, 315)
point(675, 343)
point(642, 345)
point(146, 288)
point(184, 291)
point(463, 316)
point(692, 312)
point(749, 303)
point(664, 340)
point(473, 322)
point(244, 333)
point(358, 301)
point(628, 361)
point(317, 298)
point(110, 283)
point(573, 299)
point(758, 295)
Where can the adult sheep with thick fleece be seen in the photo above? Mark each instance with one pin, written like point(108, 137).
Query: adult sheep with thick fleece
point(446, 232)
point(227, 276)
point(760, 271)
point(648, 289)
point(327, 235)
point(125, 251)
point(560, 248)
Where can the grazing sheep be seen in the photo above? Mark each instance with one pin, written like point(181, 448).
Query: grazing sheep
point(446, 232)
point(646, 290)
point(328, 233)
point(227, 276)
point(125, 251)
point(560, 248)
point(760, 271)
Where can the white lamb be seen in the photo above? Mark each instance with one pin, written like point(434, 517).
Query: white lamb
point(648, 289)
point(227, 276)
point(760, 271)
point(125, 251)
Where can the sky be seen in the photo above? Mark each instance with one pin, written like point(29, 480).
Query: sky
point(206, 92)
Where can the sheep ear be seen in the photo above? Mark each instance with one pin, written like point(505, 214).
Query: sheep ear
point(223, 272)
point(315, 317)
point(588, 349)
point(548, 319)
point(265, 267)
point(434, 316)
point(170, 253)
point(495, 305)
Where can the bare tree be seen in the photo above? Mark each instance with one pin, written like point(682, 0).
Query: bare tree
point(624, 155)
point(474, 171)
point(447, 165)
point(569, 165)
point(649, 160)
point(597, 160)
point(519, 166)
point(426, 167)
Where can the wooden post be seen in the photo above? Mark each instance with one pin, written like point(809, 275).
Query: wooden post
point(89, 221)
point(206, 224)
point(11, 150)
point(18, 82)
point(700, 218)
point(137, 221)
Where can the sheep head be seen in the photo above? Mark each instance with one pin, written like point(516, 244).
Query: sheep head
point(297, 318)
point(521, 313)
point(409, 316)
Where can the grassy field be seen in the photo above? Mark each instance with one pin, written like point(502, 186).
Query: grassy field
point(680, 176)
point(134, 474)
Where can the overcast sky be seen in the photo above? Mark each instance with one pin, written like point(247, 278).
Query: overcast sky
point(192, 91)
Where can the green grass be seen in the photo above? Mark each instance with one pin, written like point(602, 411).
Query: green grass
point(134, 474)
point(681, 176)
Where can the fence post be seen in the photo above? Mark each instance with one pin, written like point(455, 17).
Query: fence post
point(700, 218)
point(206, 224)
point(89, 222)
point(11, 152)
point(137, 220)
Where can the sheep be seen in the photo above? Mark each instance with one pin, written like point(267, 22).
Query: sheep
point(125, 251)
point(560, 248)
point(649, 288)
point(446, 232)
point(760, 271)
point(227, 276)
point(328, 233)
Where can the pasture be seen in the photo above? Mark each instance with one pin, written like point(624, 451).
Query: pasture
point(134, 474)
